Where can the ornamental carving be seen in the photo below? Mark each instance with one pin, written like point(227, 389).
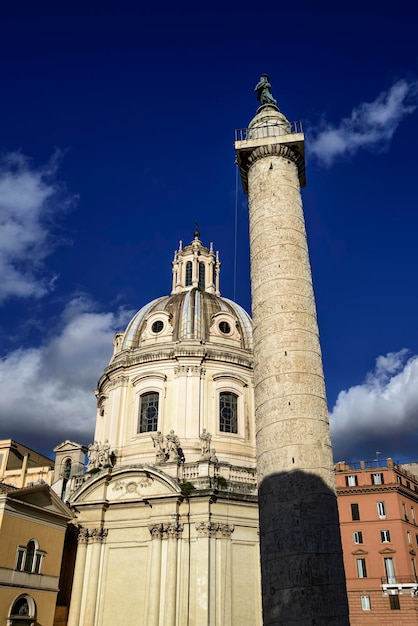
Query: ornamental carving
point(214, 530)
point(83, 535)
point(130, 489)
point(98, 534)
point(172, 530)
point(86, 535)
point(189, 370)
point(120, 381)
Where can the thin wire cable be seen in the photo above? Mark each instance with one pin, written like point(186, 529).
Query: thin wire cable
point(236, 230)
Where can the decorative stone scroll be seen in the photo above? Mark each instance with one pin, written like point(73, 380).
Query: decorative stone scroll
point(214, 530)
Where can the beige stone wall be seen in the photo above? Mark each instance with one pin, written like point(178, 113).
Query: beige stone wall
point(164, 560)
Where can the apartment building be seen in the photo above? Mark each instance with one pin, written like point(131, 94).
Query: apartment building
point(378, 507)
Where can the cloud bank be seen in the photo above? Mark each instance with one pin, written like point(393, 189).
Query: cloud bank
point(381, 414)
point(371, 125)
point(46, 392)
point(30, 200)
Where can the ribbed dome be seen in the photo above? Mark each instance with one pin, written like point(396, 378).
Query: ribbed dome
point(192, 315)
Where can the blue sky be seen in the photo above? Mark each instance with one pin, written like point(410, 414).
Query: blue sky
point(117, 134)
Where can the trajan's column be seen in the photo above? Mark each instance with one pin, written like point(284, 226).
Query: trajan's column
point(302, 569)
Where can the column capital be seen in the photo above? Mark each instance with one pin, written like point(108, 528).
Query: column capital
point(156, 530)
point(214, 530)
point(83, 535)
point(97, 535)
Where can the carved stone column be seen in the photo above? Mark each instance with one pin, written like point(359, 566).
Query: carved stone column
point(78, 581)
point(97, 535)
point(153, 617)
point(173, 531)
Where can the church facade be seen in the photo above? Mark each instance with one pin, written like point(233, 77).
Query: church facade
point(167, 512)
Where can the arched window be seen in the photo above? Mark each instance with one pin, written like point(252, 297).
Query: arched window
point(188, 273)
point(228, 403)
point(148, 412)
point(29, 557)
point(66, 469)
point(202, 269)
point(22, 611)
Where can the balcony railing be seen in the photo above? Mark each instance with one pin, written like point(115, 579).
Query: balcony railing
point(409, 579)
point(268, 130)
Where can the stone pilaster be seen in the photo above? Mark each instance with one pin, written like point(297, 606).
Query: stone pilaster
point(172, 531)
point(78, 580)
point(96, 538)
point(153, 617)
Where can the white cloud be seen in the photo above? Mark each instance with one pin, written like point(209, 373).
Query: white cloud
point(379, 414)
point(46, 393)
point(370, 125)
point(30, 198)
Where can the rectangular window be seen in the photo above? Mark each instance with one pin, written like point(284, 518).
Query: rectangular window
point(413, 514)
point(394, 603)
point(408, 536)
point(414, 571)
point(148, 412)
point(365, 603)
point(228, 422)
point(20, 555)
point(358, 536)
point(416, 539)
point(377, 479)
point(385, 536)
point(381, 510)
point(390, 571)
point(355, 513)
point(38, 560)
point(351, 481)
point(408, 484)
point(405, 516)
point(361, 568)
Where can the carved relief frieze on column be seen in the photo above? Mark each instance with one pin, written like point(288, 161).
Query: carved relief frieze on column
point(214, 530)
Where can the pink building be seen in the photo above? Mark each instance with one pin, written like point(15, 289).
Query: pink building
point(378, 507)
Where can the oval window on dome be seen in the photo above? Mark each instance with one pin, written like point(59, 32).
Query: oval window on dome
point(157, 326)
point(224, 327)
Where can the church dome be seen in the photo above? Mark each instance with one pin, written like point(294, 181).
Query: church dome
point(182, 367)
point(192, 315)
point(194, 312)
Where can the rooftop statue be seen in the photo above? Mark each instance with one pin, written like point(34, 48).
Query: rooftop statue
point(263, 91)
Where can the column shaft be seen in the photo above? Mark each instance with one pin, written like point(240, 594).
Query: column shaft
point(153, 618)
point(93, 582)
point(78, 580)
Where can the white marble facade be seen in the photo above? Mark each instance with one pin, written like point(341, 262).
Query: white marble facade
point(168, 529)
